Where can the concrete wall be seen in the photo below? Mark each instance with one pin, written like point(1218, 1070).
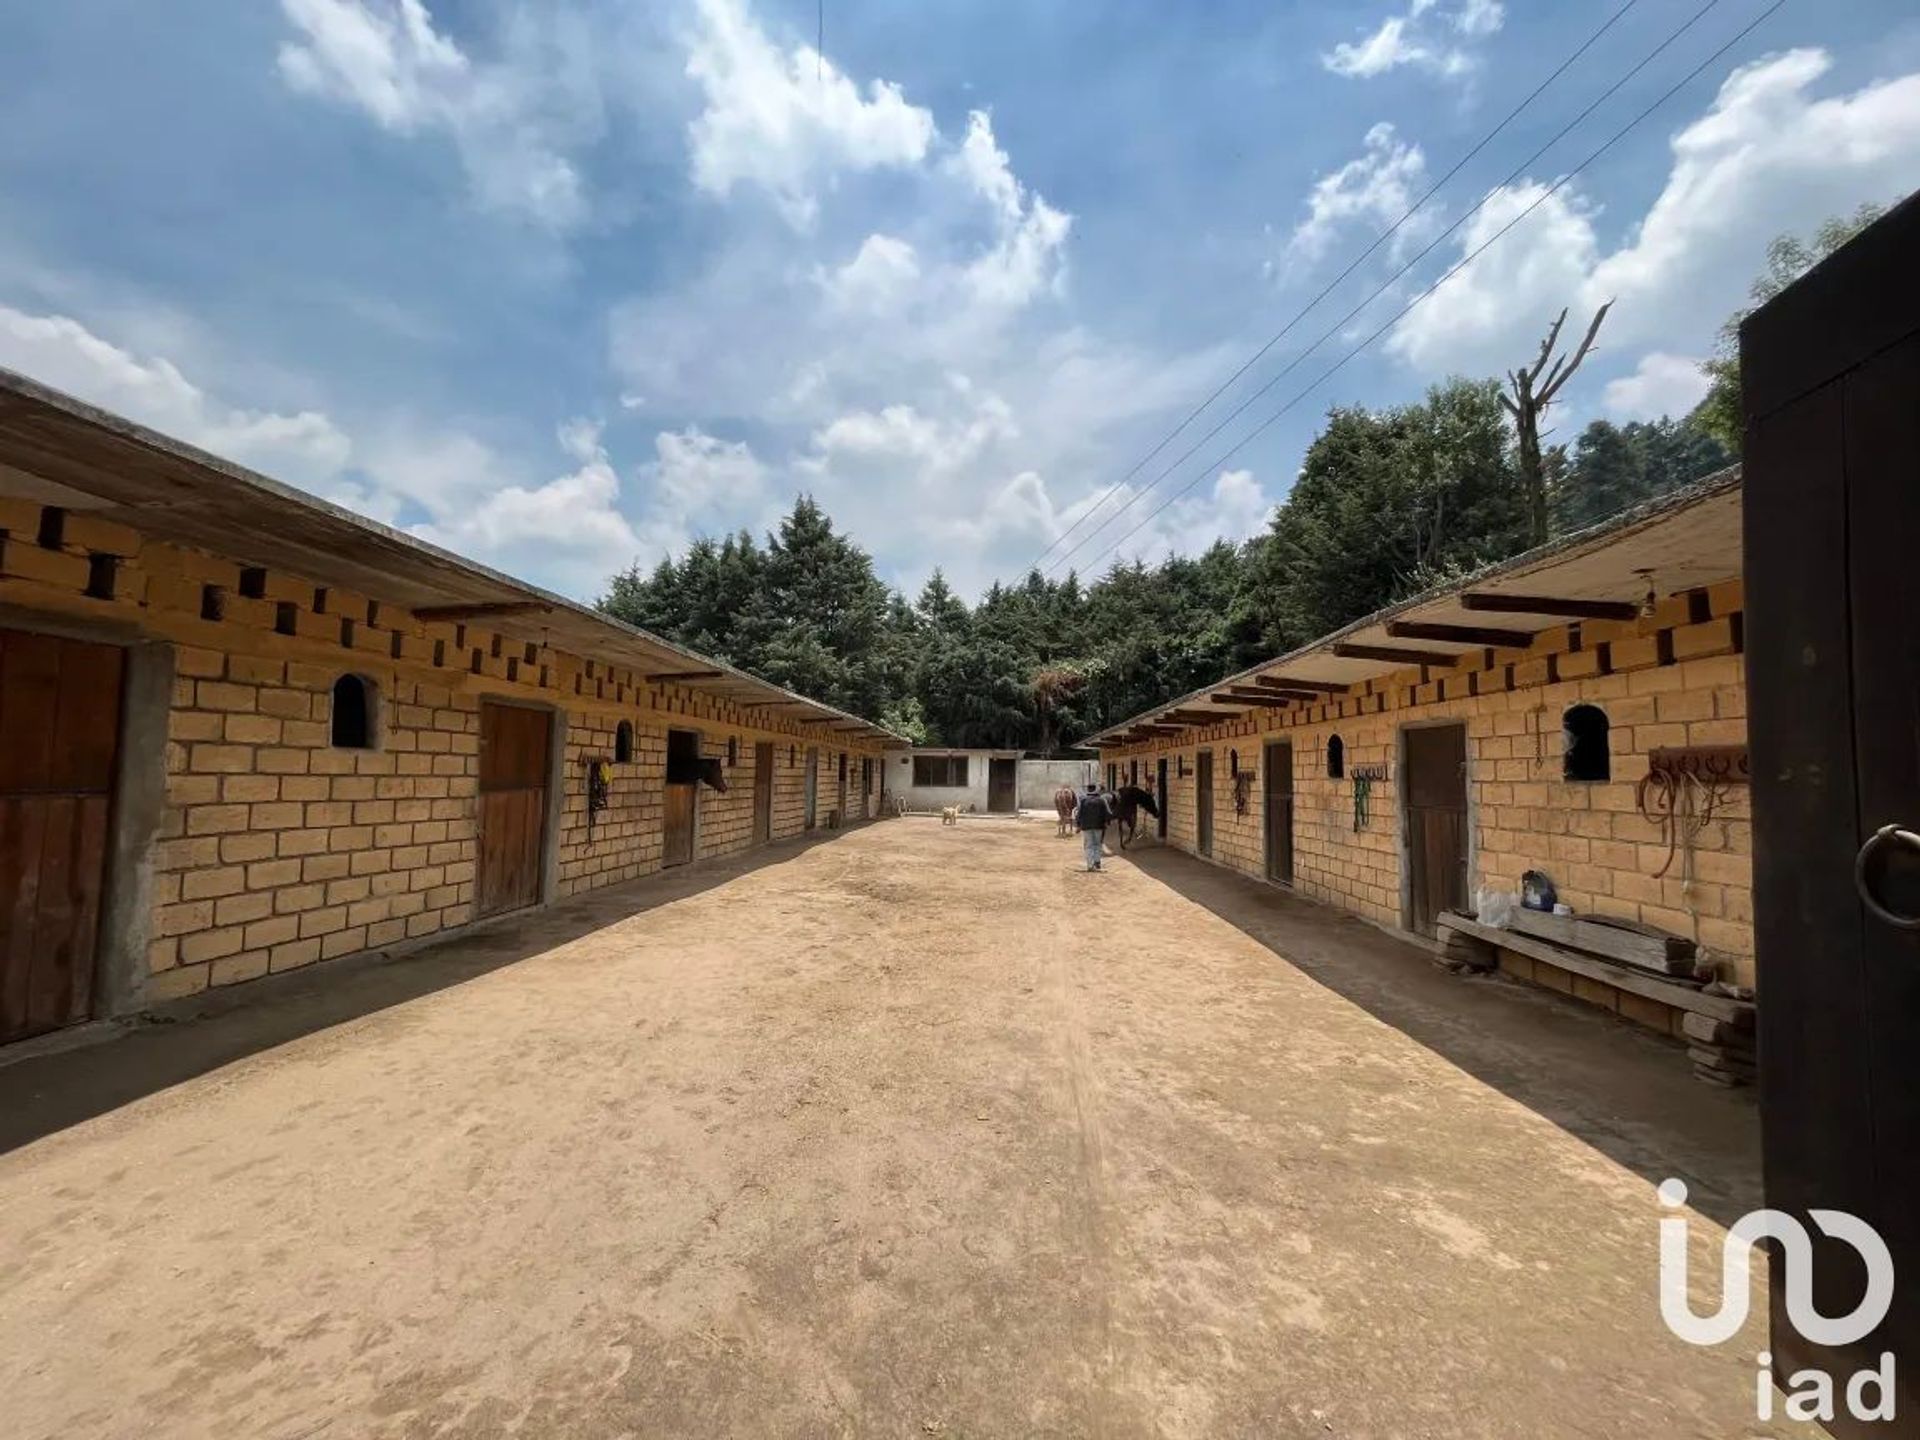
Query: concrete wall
point(1040, 778)
point(272, 850)
point(1672, 680)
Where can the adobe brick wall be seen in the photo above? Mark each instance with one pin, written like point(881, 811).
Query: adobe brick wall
point(276, 850)
point(1674, 679)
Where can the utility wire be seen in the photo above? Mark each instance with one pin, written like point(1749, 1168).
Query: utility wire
point(1340, 364)
point(1358, 260)
point(1386, 284)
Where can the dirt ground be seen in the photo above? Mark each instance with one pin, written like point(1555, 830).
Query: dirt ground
point(915, 1131)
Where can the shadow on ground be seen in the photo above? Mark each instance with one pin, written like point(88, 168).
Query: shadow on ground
point(1620, 1088)
point(48, 1092)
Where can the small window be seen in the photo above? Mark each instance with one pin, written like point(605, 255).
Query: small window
point(352, 713)
point(623, 744)
point(1110, 770)
point(1336, 757)
point(940, 772)
point(1583, 731)
point(1233, 762)
point(733, 751)
point(683, 757)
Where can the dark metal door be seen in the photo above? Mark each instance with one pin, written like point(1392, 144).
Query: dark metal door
point(1831, 378)
point(1166, 800)
point(1279, 762)
point(813, 787)
point(59, 736)
point(762, 792)
point(1203, 802)
point(1436, 810)
point(1002, 779)
point(514, 760)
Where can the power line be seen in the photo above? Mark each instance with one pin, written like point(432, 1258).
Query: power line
point(1340, 364)
point(1386, 284)
point(1358, 260)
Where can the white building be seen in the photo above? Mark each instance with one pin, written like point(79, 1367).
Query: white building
point(982, 782)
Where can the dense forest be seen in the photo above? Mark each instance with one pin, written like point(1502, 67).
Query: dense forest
point(1387, 503)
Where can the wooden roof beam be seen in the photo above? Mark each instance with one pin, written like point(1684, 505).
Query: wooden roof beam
point(1459, 634)
point(678, 675)
point(483, 610)
point(1287, 682)
point(1546, 605)
point(1394, 654)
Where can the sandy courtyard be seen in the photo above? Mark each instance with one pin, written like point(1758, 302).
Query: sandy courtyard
point(916, 1131)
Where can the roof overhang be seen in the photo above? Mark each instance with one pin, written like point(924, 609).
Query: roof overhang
point(1683, 541)
point(56, 450)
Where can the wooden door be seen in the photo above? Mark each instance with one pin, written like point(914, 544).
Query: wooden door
point(762, 792)
point(59, 739)
point(682, 798)
point(840, 792)
point(1279, 808)
point(515, 759)
point(1003, 778)
point(1435, 791)
point(1203, 802)
point(1162, 795)
point(813, 787)
point(1831, 383)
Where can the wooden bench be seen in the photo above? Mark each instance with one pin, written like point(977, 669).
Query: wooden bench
point(1718, 1029)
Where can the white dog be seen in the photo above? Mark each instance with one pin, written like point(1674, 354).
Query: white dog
point(950, 815)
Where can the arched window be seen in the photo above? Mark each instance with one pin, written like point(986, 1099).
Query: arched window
point(353, 697)
point(1336, 757)
point(733, 751)
point(623, 743)
point(1583, 732)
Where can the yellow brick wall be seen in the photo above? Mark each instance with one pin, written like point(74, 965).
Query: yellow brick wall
point(1673, 680)
point(276, 850)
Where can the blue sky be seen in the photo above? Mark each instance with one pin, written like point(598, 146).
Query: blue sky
point(563, 283)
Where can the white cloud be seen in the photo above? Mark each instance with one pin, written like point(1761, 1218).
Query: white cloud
point(788, 121)
point(571, 524)
point(1028, 256)
point(305, 447)
point(1661, 384)
point(1426, 37)
point(879, 278)
point(1376, 188)
point(1767, 157)
point(385, 57)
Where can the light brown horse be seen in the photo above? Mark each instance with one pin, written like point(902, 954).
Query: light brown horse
point(1065, 800)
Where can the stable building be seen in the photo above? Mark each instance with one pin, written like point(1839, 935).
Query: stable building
point(1579, 711)
point(243, 731)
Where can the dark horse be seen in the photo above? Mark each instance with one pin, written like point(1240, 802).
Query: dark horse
point(1127, 803)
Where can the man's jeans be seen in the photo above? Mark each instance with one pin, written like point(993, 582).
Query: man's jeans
point(1090, 842)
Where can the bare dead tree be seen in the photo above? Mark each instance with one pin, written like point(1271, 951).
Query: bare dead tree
point(1533, 390)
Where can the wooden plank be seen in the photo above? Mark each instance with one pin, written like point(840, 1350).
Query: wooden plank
point(1459, 634)
point(1636, 982)
point(1623, 940)
point(29, 706)
point(1547, 605)
point(56, 917)
point(1321, 687)
point(1396, 654)
point(87, 723)
point(432, 614)
point(22, 839)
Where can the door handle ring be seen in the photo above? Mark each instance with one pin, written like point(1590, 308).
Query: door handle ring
point(1885, 835)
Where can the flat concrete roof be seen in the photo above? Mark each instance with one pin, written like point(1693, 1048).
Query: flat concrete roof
point(57, 450)
point(1682, 541)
